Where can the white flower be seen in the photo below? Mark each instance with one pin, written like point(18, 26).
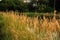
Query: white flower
point(26, 1)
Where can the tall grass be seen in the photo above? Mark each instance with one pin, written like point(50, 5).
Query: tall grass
point(22, 27)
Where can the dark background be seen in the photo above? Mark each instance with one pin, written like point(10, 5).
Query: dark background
point(40, 5)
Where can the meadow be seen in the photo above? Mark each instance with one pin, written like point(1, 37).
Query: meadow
point(22, 27)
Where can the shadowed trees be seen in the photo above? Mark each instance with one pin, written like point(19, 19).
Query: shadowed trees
point(33, 5)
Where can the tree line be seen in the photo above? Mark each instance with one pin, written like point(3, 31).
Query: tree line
point(33, 5)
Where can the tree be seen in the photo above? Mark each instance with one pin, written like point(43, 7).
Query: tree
point(33, 5)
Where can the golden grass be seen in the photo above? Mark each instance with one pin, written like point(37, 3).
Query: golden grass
point(22, 27)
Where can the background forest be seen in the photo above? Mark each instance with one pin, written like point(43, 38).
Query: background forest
point(29, 5)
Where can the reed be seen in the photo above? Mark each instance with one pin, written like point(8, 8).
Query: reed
point(22, 27)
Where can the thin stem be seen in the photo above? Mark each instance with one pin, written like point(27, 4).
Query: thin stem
point(54, 4)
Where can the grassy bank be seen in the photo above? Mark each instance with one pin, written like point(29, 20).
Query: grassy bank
point(22, 27)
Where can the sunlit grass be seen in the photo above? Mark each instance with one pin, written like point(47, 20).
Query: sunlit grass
point(23, 27)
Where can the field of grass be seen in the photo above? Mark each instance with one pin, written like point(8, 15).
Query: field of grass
point(23, 27)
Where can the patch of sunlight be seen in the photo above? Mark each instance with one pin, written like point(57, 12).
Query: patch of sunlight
point(0, 0)
point(30, 29)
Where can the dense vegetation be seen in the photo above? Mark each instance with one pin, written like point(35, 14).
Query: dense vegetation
point(34, 5)
point(31, 22)
point(15, 27)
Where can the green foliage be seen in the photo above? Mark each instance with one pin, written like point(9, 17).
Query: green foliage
point(21, 6)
